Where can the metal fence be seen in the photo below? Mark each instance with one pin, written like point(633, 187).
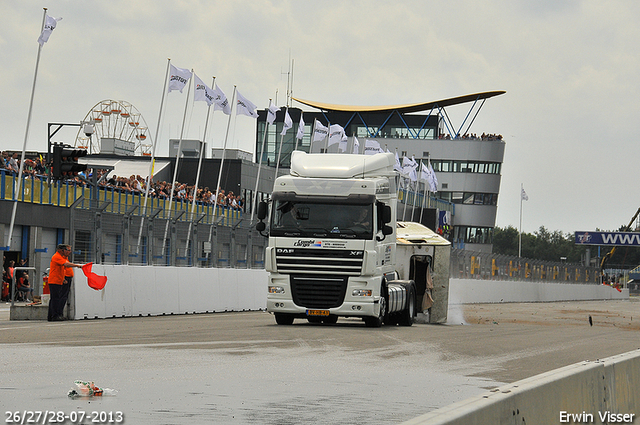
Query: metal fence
point(110, 233)
point(479, 265)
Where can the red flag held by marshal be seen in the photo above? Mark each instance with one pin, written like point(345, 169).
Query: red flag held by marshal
point(96, 282)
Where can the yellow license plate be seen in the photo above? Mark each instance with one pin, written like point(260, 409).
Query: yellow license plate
point(317, 312)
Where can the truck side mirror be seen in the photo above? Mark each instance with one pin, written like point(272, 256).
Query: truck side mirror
point(387, 230)
point(260, 226)
point(262, 210)
point(386, 216)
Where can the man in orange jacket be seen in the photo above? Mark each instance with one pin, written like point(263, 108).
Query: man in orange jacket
point(60, 277)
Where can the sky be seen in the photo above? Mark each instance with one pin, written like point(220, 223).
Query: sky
point(569, 68)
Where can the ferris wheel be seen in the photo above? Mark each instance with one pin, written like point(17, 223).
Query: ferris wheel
point(118, 125)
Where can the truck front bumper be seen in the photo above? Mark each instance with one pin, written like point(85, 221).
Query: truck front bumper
point(366, 307)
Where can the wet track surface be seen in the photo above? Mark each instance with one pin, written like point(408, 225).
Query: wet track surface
point(241, 368)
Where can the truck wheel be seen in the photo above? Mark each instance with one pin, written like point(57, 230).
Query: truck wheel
point(376, 322)
point(284, 319)
point(406, 316)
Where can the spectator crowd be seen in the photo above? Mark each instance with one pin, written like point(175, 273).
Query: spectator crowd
point(134, 184)
point(472, 136)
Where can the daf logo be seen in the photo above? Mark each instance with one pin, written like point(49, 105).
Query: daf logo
point(355, 253)
point(284, 251)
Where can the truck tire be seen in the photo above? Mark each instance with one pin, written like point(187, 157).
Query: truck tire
point(406, 315)
point(376, 322)
point(284, 319)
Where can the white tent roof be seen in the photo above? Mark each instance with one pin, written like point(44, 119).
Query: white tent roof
point(124, 167)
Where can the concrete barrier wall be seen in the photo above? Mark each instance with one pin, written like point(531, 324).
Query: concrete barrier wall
point(469, 291)
point(589, 389)
point(148, 290)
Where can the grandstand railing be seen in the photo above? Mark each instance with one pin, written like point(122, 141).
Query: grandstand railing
point(64, 193)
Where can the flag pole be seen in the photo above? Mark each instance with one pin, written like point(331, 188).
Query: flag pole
point(153, 157)
point(301, 119)
point(224, 149)
point(280, 150)
point(255, 192)
point(16, 193)
point(326, 144)
point(195, 188)
point(175, 168)
point(405, 198)
point(520, 229)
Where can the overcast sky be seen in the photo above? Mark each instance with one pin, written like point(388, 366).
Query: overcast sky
point(569, 68)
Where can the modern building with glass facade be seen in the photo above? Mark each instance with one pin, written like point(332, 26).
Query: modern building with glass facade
point(467, 162)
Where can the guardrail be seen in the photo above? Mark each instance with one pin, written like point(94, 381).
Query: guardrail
point(479, 265)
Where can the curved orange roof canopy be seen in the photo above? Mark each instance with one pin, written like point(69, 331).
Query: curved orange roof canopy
point(411, 107)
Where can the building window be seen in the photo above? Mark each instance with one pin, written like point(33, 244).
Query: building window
point(472, 234)
point(448, 166)
point(469, 198)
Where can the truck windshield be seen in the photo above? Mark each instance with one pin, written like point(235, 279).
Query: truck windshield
point(331, 220)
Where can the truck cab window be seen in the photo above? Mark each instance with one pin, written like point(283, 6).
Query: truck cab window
point(330, 219)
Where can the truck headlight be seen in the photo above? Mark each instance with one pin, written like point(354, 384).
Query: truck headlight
point(276, 290)
point(361, 292)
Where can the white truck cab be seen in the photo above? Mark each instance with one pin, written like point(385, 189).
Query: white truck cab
point(332, 242)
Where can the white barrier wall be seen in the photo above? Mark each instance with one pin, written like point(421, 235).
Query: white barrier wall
point(590, 390)
point(148, 290)
point(469, 291)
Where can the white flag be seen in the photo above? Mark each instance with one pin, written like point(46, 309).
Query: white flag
point(271, 113)
point(178, 78)
point(221, 101)
point(300, 133)
point(356, 145)
point(406, 162)
point(245, 107)
point(288, 123)
point(406, 167)
point(371, 147)
point(524, 195)
point(425, 174)
point(433, 179)
point(319, 131)
point(202, 92)
point(336, 134)
point(397, 165)
point(49, 25)
point(413, 176)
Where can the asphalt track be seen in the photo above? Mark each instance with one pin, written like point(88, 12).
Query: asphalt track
point(241, 368)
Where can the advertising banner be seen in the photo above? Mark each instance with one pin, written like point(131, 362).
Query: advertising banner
point(607, 238)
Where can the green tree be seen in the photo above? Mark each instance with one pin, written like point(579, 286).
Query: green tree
point(541, 245)
point(505, 241)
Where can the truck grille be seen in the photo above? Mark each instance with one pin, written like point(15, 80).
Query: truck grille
point(320, 292)
point(319, 261)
